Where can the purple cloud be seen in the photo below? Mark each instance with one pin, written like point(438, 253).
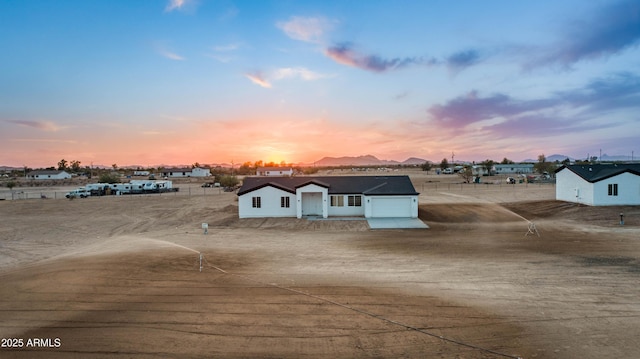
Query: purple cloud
point(471, 108)
point(463, 59)
point(345, 54)
point(622, 90)
point(575, 111)
point(614, 28)
point(541, 125)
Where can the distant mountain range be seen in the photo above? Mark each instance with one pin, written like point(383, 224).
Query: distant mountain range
point(367, 160)
point(605, 158)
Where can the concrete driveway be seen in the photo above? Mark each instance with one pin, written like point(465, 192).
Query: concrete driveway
point(396, 223)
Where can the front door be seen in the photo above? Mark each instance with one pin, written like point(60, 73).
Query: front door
point(312, 204)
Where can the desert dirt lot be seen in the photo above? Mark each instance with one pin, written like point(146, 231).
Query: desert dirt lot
point(120, 277)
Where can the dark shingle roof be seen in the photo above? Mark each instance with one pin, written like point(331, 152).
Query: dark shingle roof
point(369, 185)
point(598, 172)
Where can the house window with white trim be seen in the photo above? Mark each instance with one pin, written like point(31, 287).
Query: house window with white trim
point(337, 201)
point(354, 201)
point(256, 202)
point(613, 189)
point(284, 202)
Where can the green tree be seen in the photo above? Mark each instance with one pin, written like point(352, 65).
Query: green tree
point(75, 166)
point(62, 165)
point(543, 166)
point(466, 173)
point(10, 185)
point(506, 161)
point(229, 181)
point(444, 164)
point(488, 166)
point(109, 178)
point(246, 169)
point(427, 166)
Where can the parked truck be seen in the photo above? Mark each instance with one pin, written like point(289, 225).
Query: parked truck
point(79, 192)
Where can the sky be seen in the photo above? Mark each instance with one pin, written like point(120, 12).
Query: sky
point(179, 81)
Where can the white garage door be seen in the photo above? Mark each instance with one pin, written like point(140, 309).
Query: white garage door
point(391, 207)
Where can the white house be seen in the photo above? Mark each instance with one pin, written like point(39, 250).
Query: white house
point(513, 168)
point(599, 184)
point(328, 196)
point(274, 171)
point(186, 172)
point(48, 174)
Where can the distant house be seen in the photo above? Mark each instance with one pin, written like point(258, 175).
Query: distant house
point(599, 184)
point(274, 171)
point(328, 196)
point(48, 174)
point(186, 172)
point(513, 168)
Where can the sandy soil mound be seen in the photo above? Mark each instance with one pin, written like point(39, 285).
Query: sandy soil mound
point(606, 216)
point(466, 213)
point(158, 304)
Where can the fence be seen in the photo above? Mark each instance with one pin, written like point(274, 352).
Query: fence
point(438, 186)
point(35, 193)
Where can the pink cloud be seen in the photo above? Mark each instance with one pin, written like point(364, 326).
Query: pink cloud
point(258, 79)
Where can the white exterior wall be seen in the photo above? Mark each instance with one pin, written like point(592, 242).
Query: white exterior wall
point(200, 172)
point(270, 203)
point(179, 174)
point(346, 210)
point(311, 188)
point(513, 168)
point(572, 188)
point(368, 204)
point(628, 190)
point(61, 175)
point(278, 173)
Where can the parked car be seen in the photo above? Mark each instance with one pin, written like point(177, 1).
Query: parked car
point(511, 180)
point(80, 192)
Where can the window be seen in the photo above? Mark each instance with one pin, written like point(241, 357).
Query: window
point(355, 201)
point(255, 202)
point(284, 202)
point(613, 189)
point(337, 201)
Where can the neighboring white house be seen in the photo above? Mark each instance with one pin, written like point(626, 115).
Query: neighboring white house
point(328, 196)
point(274, 171)
point(513, 168)
point(186, 172)
point(599, 184)
point(48, 174)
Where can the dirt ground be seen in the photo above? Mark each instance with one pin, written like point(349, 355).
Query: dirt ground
point(122, 277)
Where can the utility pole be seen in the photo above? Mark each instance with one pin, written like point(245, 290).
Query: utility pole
point(452, 157)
